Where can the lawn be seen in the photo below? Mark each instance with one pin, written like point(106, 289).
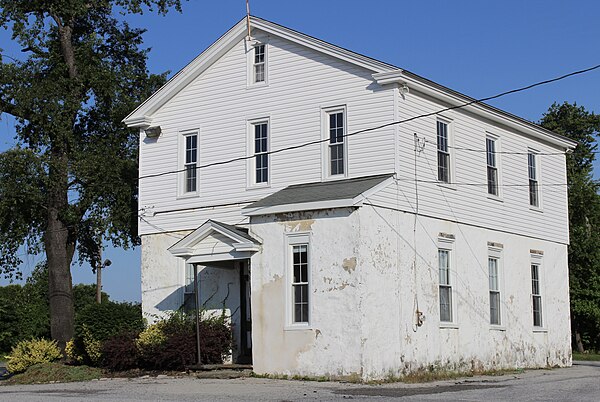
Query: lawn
point(54, 372)
point(586, 356)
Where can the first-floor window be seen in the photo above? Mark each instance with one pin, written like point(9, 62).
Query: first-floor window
point(300, 284)
point(494, 291)
point(536, 295)
point(189, 278)
point(190, 167)
point(445, 286)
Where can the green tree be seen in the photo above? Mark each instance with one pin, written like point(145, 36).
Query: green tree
point(71, 180)
point(584, 219)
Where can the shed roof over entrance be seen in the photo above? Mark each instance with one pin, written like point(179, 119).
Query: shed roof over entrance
point(319, 195)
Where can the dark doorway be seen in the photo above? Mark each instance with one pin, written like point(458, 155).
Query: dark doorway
point(245, 356)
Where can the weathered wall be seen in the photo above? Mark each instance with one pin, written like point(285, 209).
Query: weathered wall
point(364, 294)
point(163, 279)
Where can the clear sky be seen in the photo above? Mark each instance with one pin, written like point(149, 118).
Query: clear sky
point(476, 47)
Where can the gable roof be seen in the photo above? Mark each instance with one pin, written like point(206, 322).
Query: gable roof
point(142, 115)
point(383, 73)
point(319, 195)
point(239, 240)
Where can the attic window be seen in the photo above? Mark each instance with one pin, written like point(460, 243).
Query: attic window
point(259, 65)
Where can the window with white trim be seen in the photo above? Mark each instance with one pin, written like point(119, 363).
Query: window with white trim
point(445, 285)
point(536, 295)
point(534, 197)
point(190, 168)
point(189, 279)
point(443, 153)
point(494, 284)
point(260, 145)
point(300, 283)
point(259, 70)
point(492, 166)
point(336, 129)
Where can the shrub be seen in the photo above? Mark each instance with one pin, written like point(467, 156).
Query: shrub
point(27, 353)
point(73, 352)
point(120, 352)
point(171, 344)
point(97, 323)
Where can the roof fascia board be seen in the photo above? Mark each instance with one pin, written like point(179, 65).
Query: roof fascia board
point(481, 109)
point(187, 74)
point(322, 46)
point(303, 206)
point(359, 199)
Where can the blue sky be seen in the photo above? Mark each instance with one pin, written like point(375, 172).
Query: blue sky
point(479, 48)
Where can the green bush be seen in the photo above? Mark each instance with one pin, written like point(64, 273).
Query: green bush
point(97, 323)
point(28, 353)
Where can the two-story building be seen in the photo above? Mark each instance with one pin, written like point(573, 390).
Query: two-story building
point(351, 217)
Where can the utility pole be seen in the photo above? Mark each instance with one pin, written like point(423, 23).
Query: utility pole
point(100, 265)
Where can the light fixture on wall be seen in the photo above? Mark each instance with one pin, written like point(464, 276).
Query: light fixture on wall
point(404, 89)
point(153, 132)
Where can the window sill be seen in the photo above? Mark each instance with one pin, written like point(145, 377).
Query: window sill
point(497, 328)
point(188, 195)
point(258, 186)
point(540, 330)
point(257, 85)
point(335, 177)
point(449, 186)
point(536, 209)
point(494, 197)
point(298, 327)
point(448, 325)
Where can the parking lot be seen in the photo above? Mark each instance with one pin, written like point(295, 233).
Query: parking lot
point(578, 383)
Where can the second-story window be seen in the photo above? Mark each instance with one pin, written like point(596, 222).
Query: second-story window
point(190, 164)
point(259, 71)
point(261, 149)
point(534, 198)
point(443, 154)
point(337, 132)
point(492, 168)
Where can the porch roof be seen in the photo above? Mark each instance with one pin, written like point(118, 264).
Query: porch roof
point(319, 195)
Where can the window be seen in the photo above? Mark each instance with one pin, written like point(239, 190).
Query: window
point(442, 152)
point(494, 291)
point(189, 279)
point(534, 199)
point(259, 70)
point(536, 296)
point(261, 148)
point(337, 130)
point(300, 283)
point(191, 159)
point(492, 168)
point(445, 286)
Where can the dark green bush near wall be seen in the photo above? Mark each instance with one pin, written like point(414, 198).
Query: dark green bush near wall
point(178, 350)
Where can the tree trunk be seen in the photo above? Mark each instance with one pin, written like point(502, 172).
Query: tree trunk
point(59, 246)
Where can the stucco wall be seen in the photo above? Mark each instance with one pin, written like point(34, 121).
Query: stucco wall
point(163, 277)
point(365, 291)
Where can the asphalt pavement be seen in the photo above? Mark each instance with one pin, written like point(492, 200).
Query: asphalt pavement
point(578, 383)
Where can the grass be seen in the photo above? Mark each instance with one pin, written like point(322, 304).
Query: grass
point(586, 356)
point(54, 372)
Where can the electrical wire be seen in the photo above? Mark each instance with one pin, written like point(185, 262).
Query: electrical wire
point(316, 142)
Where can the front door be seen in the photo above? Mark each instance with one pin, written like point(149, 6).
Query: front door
point(245, 356)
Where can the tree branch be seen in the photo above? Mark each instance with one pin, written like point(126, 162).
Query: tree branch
point(13, 110)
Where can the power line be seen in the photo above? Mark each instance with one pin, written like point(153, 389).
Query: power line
point(316, 142)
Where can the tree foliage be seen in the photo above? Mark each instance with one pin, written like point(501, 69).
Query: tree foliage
point(71, 180)
point(584, 219)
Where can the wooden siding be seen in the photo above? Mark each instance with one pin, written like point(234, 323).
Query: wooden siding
point(468, 201)
point(219, 103)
